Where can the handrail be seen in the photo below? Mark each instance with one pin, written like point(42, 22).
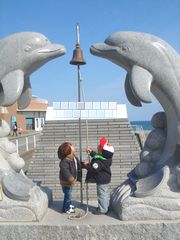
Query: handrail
point(140, 134)
point(25, 142)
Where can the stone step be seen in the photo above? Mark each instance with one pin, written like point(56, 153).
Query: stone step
point(45, 163)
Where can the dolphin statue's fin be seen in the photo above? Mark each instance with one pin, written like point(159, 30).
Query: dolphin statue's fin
point(11, 87)
point(25, 98)
point(129, 93)
point(140, 81)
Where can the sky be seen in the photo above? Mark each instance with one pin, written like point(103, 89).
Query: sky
point(102, 80)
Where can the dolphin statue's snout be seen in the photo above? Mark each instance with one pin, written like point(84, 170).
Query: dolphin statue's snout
point(59, 49)
point(102, 49)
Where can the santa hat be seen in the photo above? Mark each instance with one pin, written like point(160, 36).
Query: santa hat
point(107, 149)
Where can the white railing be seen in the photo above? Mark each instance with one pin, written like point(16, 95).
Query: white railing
point(139, 129)
point(25, 142)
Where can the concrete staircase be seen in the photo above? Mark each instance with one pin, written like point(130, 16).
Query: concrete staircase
point(45, 163)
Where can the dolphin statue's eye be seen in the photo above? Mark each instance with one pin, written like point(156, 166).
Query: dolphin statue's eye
point(27, 48)
point(124, 48)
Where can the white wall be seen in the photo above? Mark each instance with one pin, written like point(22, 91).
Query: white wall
point(117, 111)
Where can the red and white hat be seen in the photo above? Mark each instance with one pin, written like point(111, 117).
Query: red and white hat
point(107, 149)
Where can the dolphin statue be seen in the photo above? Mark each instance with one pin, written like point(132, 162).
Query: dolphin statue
point(22, 54)
point(152, 65)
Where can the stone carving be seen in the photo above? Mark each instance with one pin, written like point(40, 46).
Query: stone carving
point(23, 53)
point(152, 190)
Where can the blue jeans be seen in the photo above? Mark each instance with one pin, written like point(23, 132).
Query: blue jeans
point(103, 197)
point(67, 198)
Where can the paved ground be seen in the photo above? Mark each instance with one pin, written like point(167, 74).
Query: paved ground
point(55, 216)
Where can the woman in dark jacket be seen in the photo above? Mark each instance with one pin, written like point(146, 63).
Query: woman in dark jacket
point(69, 173)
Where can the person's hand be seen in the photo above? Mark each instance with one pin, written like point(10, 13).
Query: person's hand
point(73, 181)
point(88, 150)
point(85, 164)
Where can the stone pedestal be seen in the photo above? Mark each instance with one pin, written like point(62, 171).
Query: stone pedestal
point(152, 230)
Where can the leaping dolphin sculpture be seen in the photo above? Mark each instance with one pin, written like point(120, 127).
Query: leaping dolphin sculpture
point(22, 54)
point(152, 65)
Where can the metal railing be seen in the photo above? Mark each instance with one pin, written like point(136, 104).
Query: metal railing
point(25, 142)
point(140, 134)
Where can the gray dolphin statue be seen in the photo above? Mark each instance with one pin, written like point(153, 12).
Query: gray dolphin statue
point(152, 65)
point(22, 54)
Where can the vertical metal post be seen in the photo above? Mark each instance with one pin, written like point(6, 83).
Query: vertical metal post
point(77, 34)
point(34, 141)
point(79, 60)
point(17, 146)
point(80, 139)
point(27, 148)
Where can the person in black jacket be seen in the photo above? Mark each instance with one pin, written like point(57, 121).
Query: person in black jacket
point(99, 172)
point(70, 169)
point(15, 129)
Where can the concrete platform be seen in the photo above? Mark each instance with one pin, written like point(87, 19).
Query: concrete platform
point(56, 226)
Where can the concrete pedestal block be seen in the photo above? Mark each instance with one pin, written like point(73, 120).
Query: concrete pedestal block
point(76, 230)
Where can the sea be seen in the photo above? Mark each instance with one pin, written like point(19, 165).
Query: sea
point(143, 125)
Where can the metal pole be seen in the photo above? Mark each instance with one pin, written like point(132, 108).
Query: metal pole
point(77, 34)
point(79, 84)
point(79, 60)
point(80, 139)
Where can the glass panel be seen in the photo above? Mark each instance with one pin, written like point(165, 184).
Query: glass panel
point(104, 105)
point(76, 113)
point(64, 105)
point(80, 105)
point(42, 122)
point(29, 114)
point(72, 105)
point(54, 114)
point(36, 114)
point(88, 105)
point(100, 113)
point(68, 113)
point(114, 113)
point(41, 114)
point(85, 114)
point(112, 105)
point(60, 113)
point(92, 113)
point(96, 105)
point(108, 113)
point(30, 123)
point(56, 105)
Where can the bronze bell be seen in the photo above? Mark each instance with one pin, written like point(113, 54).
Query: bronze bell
point(77, 58)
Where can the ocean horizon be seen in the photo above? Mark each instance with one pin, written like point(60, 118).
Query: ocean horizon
point(145, 125)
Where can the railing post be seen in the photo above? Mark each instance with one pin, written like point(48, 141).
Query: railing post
point(17, 150)
point(34, 141)
point(27, 149)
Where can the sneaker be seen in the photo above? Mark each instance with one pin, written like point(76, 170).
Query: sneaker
point(72, 206)
point(70, 211)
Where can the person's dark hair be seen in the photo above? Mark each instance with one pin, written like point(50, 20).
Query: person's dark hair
point(64, 150)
